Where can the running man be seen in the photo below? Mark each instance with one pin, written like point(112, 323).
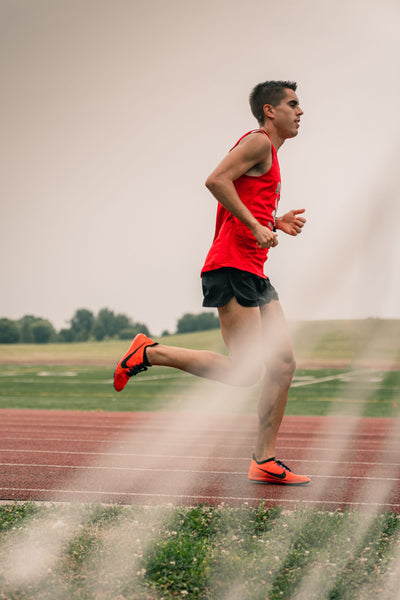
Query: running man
point(246, 185)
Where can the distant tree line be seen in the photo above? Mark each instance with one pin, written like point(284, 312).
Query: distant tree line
point(85, 326)
point(28, 330)
point(201, 322)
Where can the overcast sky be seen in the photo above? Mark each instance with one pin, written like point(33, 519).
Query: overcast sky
point(113, 113)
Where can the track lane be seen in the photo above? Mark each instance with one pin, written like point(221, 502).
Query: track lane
point(188, 459)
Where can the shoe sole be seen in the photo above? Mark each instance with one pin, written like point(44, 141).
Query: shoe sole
point(277, 482)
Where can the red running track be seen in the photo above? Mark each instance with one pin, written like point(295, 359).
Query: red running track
point(187, 459)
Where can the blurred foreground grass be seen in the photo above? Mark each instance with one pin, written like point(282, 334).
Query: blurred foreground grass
point(201, 553)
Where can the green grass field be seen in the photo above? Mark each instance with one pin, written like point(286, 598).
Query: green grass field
point(347, 391)
point(354, 371)
point(376, 340)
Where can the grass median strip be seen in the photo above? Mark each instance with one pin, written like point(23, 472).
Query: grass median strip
point(204, 553)
point(314, 391)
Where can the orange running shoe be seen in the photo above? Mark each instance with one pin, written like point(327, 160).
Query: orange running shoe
point(274, 471)
point(133, 362)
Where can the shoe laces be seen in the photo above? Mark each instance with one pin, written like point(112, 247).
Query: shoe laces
point(281, 464)
point(136, 369)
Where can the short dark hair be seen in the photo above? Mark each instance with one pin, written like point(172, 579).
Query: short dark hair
point(269, 92)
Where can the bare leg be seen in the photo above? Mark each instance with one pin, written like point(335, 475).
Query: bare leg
point(254, 338)
point(280, 368)
point(202, 363)
point(241, 332)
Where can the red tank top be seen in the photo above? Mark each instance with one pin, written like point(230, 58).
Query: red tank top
point(234, 245)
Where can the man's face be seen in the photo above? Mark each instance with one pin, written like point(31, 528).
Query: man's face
point(286, 115)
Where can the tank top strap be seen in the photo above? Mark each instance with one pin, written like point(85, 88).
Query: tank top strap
point(248, 133)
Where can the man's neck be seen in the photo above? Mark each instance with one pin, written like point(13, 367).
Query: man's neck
point(276, 140)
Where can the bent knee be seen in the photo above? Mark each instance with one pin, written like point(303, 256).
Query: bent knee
point(249, 376)
point(283, 367)
point(254, 376)
point(290, 365)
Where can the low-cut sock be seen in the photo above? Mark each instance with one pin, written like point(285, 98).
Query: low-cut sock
point(145, 359)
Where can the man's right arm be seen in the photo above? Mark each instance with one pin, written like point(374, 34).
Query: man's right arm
point(252, 151)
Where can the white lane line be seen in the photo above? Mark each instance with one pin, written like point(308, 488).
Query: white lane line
point(376, 447)
point(297, 381)
point(345, 374)
point(204, 458)
point(280, 448)
point(186, 471)
point(282, 436)
point(137, 427)
point(317, 380)
point(79, 382)
point(143, 441)
point(203, 498)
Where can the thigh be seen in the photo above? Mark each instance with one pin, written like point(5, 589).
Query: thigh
point(277, 340)
point(241, 327)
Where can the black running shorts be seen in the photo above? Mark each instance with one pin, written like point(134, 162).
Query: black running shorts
point(221, 285)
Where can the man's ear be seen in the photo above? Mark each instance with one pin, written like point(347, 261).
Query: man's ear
point(268, 110)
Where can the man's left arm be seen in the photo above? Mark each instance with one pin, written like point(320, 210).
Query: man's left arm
point(291, 223)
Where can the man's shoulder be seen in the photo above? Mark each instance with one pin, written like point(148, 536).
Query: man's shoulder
point(256, 139)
